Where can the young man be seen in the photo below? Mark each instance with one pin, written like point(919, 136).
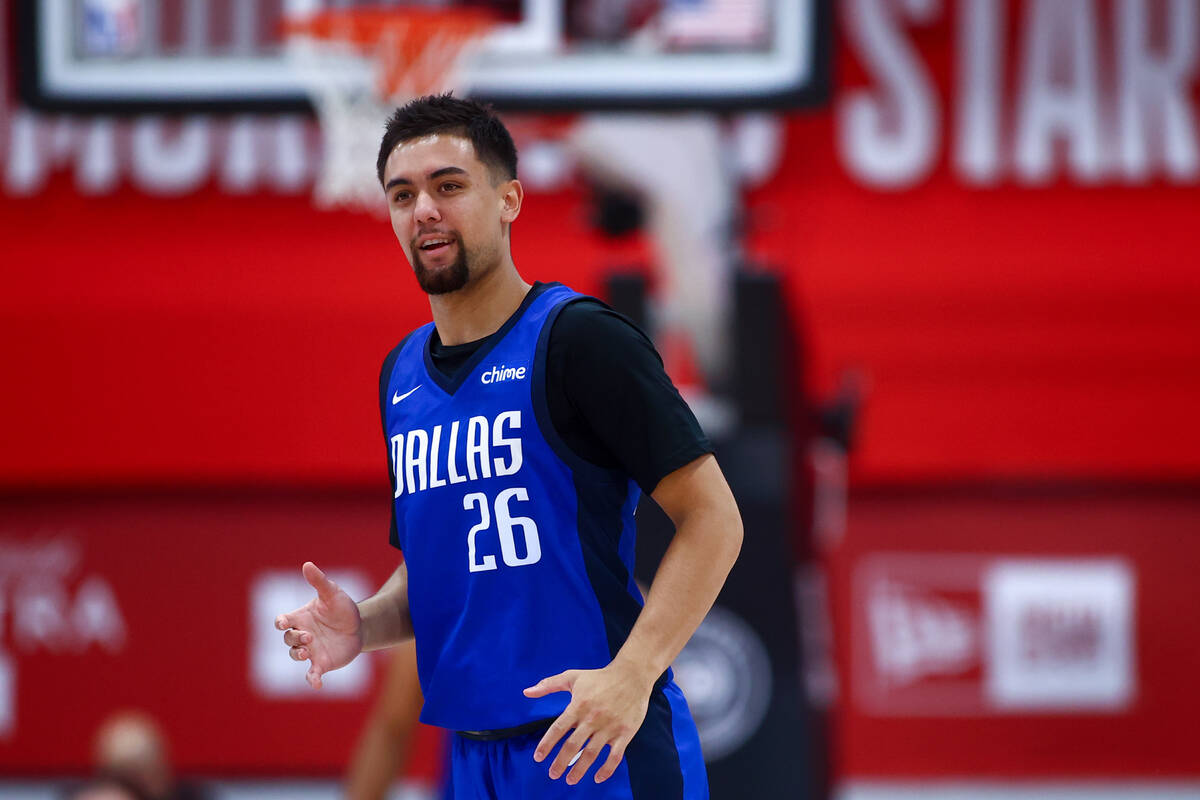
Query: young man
point(520, 424)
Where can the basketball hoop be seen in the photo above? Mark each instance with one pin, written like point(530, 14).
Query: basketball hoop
point(357, 65)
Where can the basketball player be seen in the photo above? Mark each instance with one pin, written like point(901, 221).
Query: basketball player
point(522, 424)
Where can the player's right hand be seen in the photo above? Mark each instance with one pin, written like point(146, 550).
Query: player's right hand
point(326, 631)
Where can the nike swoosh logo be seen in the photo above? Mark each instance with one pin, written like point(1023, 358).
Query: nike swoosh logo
point(397, 397)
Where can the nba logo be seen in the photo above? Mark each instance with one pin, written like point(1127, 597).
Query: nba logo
point(111, 27)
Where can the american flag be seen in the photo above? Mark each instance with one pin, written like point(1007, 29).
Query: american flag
point(111, 27)
point(716, 23)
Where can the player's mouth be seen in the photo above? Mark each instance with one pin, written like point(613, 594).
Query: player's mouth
point(432, 245)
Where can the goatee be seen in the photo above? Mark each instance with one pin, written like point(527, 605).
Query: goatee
point(444, 280)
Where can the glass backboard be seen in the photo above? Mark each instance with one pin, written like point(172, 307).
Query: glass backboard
point(180, 55)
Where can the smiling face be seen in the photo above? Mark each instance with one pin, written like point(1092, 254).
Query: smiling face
point(449, 211)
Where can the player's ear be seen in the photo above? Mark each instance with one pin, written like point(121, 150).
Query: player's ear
point(511, 196)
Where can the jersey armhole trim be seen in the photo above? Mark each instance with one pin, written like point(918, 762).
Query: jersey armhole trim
point(385, 373)
point(385, 380)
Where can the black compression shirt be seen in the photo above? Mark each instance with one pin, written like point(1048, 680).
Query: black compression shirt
point(610, 398)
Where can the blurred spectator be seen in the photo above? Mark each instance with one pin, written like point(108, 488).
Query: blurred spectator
point(106, 787)
point(130, 749)
point(679, 168)
point(675, 164)
point(386, 743)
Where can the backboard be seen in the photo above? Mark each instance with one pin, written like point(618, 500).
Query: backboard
point(187, 55)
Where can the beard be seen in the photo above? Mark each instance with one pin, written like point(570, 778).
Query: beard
point(443, 280)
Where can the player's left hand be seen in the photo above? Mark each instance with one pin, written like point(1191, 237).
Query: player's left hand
point(607, 707)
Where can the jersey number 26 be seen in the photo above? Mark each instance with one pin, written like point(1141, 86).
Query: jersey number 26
point(505, 522)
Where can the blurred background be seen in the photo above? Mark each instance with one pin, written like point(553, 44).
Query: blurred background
point(926, 269)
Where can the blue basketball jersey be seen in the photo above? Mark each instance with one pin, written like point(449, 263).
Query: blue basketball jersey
point(520, 553)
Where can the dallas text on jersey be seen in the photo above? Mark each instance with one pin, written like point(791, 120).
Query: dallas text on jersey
point(475, 448)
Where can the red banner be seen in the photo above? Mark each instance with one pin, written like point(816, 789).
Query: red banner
point(1024, 634)
point(166, 604)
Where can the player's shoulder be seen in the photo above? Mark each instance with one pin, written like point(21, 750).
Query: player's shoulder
point(588, 322)
point(389, 362)
point(394, 353)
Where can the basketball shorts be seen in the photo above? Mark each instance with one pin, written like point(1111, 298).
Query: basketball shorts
point(662, 762)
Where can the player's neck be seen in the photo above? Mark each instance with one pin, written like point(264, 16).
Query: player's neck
point(478, 309)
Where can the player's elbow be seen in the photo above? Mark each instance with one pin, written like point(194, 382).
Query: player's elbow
point(713, 529)
point(732, 531)
point(722, 523)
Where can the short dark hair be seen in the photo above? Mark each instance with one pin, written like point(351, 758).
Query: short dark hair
point(448, 114)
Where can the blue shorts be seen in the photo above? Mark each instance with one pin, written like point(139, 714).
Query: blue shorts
point(662, 762)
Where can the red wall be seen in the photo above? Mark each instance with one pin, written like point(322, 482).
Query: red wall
point(1020, 326)
point(211, 338)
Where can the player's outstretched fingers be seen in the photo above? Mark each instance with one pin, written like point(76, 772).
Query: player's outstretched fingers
point(295, 638)
point(615, 753)
point(299, 653)
point(569, 753)
point(283, 622)
point(562, 682)
point(313, 676)
point(557, 730)
point(585, 760)
point(326, 588)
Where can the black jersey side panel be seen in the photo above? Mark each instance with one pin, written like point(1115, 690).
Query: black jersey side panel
point(652, 757)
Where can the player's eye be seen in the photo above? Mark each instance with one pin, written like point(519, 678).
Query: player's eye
point(450, 186)
point(400, 197)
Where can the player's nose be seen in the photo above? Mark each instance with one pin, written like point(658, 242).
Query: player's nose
point(425, 209)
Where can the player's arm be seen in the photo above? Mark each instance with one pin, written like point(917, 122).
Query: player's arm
point(609, 705)
point(708, 537)
point(616, 384)
point(385, 617)
point(330, 630)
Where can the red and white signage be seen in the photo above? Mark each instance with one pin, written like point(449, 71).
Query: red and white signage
point(939, 634)
point(166, 603)
point(1060, 635)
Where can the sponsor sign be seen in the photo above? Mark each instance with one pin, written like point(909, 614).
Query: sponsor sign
point(1059, 634)
point(947, 635)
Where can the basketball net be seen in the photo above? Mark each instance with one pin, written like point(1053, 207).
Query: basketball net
point(358, 65)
